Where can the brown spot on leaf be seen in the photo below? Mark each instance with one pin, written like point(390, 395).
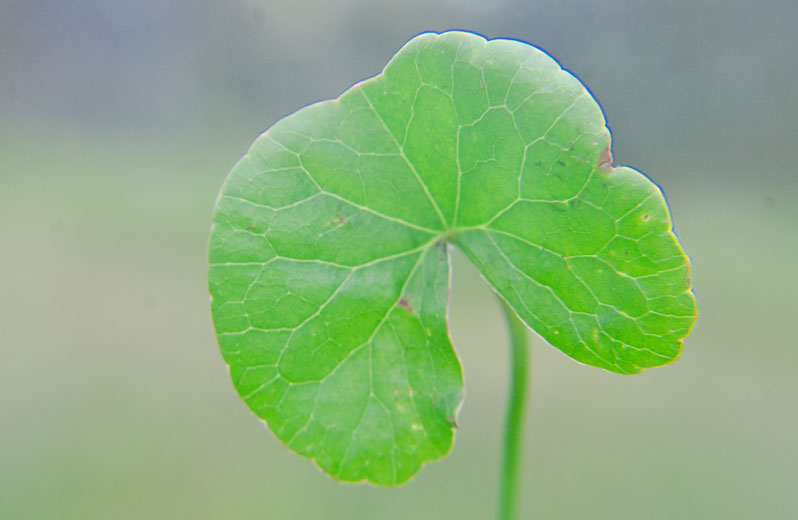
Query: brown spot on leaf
point(337, 221)
point(406, 304)
point(605, 160)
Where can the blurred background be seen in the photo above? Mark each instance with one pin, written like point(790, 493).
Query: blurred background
point(120, 120)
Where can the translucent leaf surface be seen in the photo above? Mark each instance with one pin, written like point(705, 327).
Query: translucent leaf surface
point(329, 270)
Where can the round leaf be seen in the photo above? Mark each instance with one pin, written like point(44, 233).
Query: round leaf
point(329, 269)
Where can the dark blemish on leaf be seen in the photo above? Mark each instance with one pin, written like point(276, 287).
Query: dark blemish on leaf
point(251, 227)
point(646, 216)
point(539, 164)
point(406, 304)
point(560, 162)
point(605, 160)
point(482, 84)
point(452, 421)
point(338, 221)
point(442, 245)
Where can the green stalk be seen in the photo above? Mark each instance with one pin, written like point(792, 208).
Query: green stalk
point(514, 420)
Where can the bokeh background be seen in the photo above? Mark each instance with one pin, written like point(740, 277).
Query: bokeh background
point(118, 123)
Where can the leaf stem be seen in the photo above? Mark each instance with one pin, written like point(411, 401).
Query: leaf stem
point(514, 420)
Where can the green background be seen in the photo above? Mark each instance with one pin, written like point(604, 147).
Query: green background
point(118, 124)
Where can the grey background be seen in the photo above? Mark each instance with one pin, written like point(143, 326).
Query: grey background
point(118, 123)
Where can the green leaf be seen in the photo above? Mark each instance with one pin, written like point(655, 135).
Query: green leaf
point(329, 269)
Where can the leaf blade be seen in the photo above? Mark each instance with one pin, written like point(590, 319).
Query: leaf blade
point(329, 272)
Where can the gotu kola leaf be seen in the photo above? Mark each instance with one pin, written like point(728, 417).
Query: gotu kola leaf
point(329, 270)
